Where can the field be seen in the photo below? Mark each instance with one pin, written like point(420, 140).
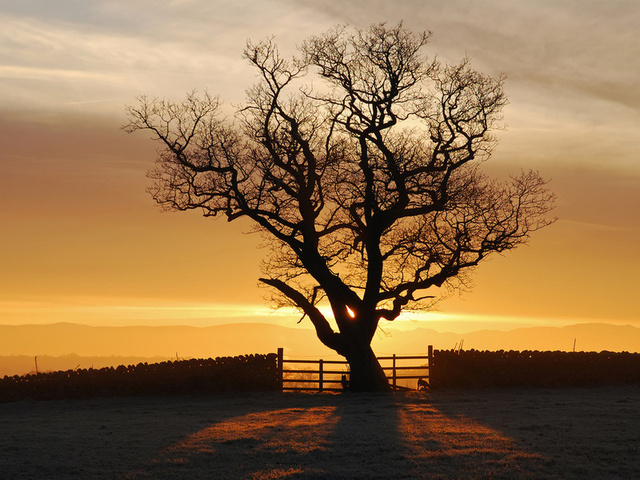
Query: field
point(563, 433)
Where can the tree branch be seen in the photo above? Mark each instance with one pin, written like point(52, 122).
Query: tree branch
point(323, 330)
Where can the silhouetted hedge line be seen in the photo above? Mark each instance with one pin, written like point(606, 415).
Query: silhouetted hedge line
point(473, 368)
point(242, 373)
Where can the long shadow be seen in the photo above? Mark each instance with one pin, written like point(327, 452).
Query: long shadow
point(301, 436)
point(295, 436)
point(447, 445)
point(108, 438)
point(312, 437)
point(282, 436)
point(488, 434)
point(569, 433)
point(366, 441)
point(409, 436)
point(509, 434)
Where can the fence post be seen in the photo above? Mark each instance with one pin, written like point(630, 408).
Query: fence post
point(320, 375)
point(281, 368)
point(430, 362)
point(394, 371)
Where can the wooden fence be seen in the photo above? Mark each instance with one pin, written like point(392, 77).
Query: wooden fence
point(331, 375)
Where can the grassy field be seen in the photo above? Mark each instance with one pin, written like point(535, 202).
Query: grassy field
point(565, 433)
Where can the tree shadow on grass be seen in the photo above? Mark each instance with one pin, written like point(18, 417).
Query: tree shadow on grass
point(367, 441)
point(504, 434)
point(373, 436)
point(306, 437)
point(106, 438)
point(573, 433)
point(269, 441)
point(445, 445)
point(455, 435)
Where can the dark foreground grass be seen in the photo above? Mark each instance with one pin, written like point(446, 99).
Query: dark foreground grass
point(566, 433)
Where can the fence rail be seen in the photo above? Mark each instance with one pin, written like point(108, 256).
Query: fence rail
point(322, 379)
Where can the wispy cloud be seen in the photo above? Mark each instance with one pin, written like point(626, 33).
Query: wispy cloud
point(556, 46)
point(34, 73)
point(66, 63)
point(153, 311)
point(127, 48)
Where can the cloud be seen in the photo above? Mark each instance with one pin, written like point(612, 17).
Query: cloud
point(47, 65)
point(551, 50)
point(32, 73)
point(121, 49)
point(551, 45)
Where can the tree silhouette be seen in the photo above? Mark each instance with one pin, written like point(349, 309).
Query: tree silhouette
point(366, 185)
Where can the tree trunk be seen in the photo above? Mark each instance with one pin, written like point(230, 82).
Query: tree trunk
point(366, 373)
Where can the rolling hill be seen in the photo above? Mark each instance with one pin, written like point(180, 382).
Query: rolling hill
point(67, 345)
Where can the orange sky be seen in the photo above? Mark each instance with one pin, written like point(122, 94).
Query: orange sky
point(81, 241)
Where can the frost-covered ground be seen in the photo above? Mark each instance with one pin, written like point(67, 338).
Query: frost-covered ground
point(590, 433)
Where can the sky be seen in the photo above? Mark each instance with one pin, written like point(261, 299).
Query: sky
point(81, 240)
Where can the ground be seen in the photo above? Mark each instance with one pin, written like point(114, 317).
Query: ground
point(564, 433)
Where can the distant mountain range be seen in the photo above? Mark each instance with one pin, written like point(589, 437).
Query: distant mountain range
point(85, 346)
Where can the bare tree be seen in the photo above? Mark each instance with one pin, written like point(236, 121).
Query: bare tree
point(366, 185)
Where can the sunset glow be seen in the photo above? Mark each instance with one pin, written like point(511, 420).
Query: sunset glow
point(82, 242)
